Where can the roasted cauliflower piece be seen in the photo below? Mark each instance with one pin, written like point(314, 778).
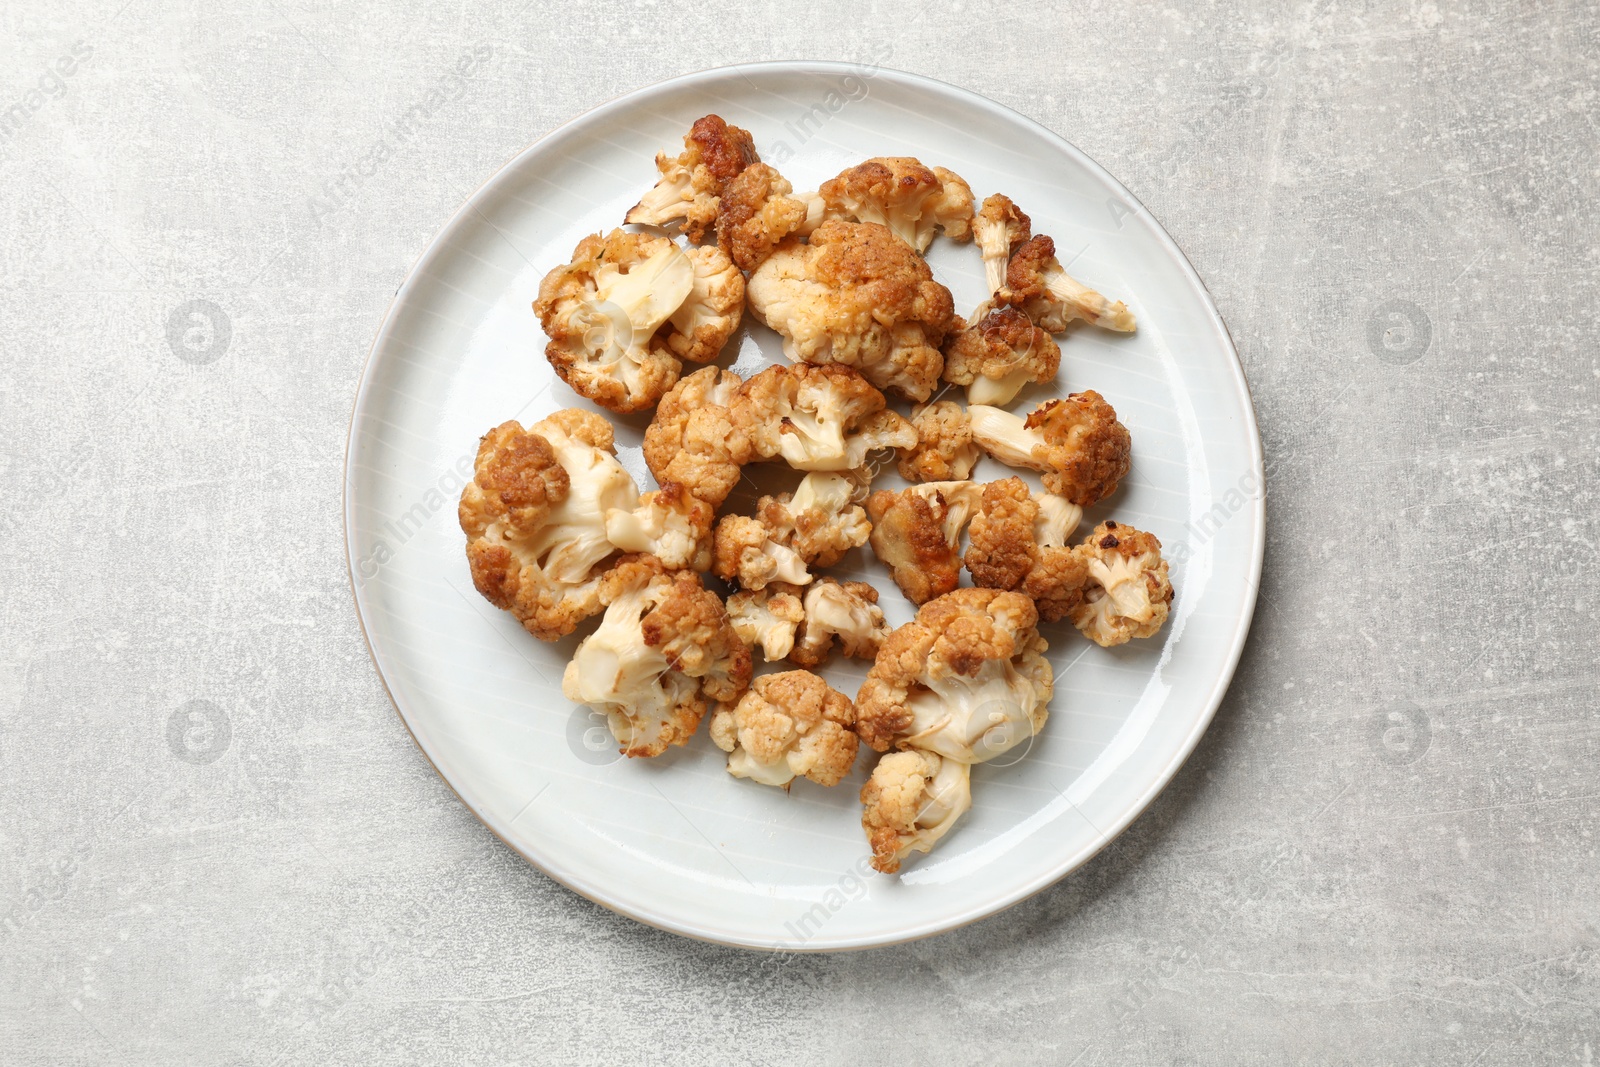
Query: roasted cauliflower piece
point(967, 679)
point(664, 647)
point(945, 450)
point(910, 802)
point(788, 726)
point(1036, 283)
point(712, 310)
point(1078, 444)
point(999, 354)
point(899, 192)
point(820, 520)
point(822, 418)
point(1018, 541)
point(744, 551)
point(756, 214)
point(916, 532)
point(847, 611)
point(692, 440)
point(1000, 228)
point(768, 618)
point(535, 518)
point(686, 197)
point(669, 523)
point(856, 295)
point(1127, 594)
point(602, 312)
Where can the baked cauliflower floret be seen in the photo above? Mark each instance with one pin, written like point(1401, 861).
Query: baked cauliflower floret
point(825, 418)
point(692, 439)
point(899, 192)
point(820, 520)
point(1127, 594)
point(743, 551)
point(916, 532)
point(910, 802)
point(945, 450)
point(999, 354)
point(686, 196)
point(847, 611)
point(787, 726)
point(1051, 297)
point(664, 647)
point(1078, 444)
point(669, 523)
point(967, 679)
point(602, 312)
point(1000, 228)
point(1018, 541)
point(858, 296)
point(756, 214)
point(768, 618)
point(535, 518)
point(712, 310)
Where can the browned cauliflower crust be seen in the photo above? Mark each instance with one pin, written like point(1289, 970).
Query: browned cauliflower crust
point(711, 312)
point(1018, 541)
point(916, 532)
point(768, 618)
point(858, 296)
point(692, 440)
point(899, 192)
point(1051, 297)
point(714, 153)
point(819, 520)
point(1000, 228)
point(743, 551)
point(911, 801)
point(945, 450)
point(967, 679)
point(604, 313)
point(999, 354)
point(670, 523)
point(664, 647)
point(817, 418)
point(1078, 444)
point(756, 214)
point(847, 611)
point(787, 726)
point(535, 518)
point(1127, 593)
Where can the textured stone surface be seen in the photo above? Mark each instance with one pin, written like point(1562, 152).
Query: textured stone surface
point(1384, 849)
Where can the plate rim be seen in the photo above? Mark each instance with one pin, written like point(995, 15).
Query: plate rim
point(1029, 888)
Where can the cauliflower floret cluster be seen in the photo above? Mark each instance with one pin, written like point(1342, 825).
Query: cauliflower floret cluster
point(744, 551)
point(756, 214)
point(668, 523)
point(535, 518)
point(768, 618)
point(916, 533)
point(692, 440)
point(910, 802)
point(1000, 228)
point(846, 612)
point(1018, 541)
point(898, 192)
point(820, 520)
point(663, 649)
point(998, 355)
point(857, 295)
point(1127, 593)
point(628, 308)
point(967, 679)
point(945, 450)
point(816, 418)
point(1078, 444)
point(1036, 283)
point(788, 726)
point(686, 197)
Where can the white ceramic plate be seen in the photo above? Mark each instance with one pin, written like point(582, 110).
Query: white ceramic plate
point(675, 841)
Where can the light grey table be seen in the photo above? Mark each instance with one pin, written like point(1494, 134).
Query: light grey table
point(1384, 850)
